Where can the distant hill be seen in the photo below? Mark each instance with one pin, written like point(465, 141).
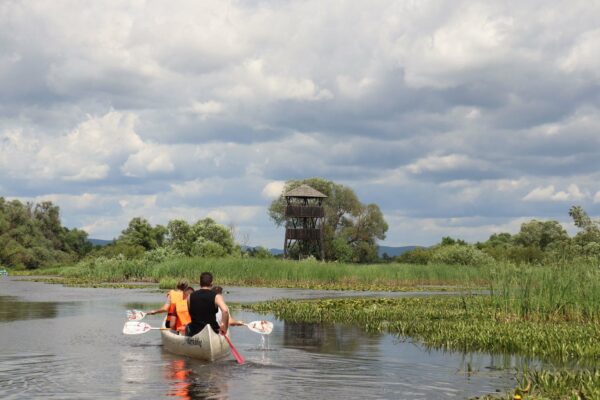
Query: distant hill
point(99, 242)
point(395, 251)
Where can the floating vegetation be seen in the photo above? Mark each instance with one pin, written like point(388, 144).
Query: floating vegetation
point(471, 323)
point(465, 323)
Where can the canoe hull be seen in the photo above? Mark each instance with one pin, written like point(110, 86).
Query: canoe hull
point(206, 345)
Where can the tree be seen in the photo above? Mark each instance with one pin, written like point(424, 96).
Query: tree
point(590, 229)
point(540, 234)
point(351, 229)
point(448, 241)
point(32, 236)
point(139, 232)
point(205, 238)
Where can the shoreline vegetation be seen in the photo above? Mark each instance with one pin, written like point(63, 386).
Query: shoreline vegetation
point(271, 272)
point(550, 312)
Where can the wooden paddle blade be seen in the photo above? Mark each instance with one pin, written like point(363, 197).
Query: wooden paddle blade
point(135, 328)
point(262, 327)
point(135, 315)
point(238, 357)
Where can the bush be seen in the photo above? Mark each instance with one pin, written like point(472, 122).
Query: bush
point(460, 255)
point(207, 248)
point(417, 256)
point(161, 254)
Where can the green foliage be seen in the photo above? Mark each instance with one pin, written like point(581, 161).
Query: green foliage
point(351, 229)
point(540, 234)
point(420, 255)
point(448, 241)
point(31, 236)
point(203, 247)
point(205, 238)
point(457, 254)
point(258, 252)
point(116, 249)
point(139, 232)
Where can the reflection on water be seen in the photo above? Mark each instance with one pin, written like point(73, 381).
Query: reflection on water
point(188, 379)
point(12, 310)
point(74, 349)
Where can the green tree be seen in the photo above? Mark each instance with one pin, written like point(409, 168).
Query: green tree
point(139, 232)
point(179, 236)
point(540, 234)
point(590, 229)
point(31, 235)
point(204, 238)
point(351, 229)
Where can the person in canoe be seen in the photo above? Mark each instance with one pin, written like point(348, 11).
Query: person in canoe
point(232, 322)
point(181, 310)
point(203, 305)
point(173, 296)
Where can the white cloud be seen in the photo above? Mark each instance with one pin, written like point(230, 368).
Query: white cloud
point(90, 173)
point(207, 109)
point(549, 193)
point(273, 190)
point(84, 154)
point(434, 163)
point(597, 197)
point(583, 57)
point(150, 160)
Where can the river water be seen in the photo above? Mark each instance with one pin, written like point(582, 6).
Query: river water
point(67, 343)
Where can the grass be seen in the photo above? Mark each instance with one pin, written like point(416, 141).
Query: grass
point(276, 273)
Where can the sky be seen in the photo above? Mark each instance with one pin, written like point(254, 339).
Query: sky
point(458, 118)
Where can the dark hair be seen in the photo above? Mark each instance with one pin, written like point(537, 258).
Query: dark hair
point(206, 279)
point(182, 284)
point(189, 289)
point(217, 289)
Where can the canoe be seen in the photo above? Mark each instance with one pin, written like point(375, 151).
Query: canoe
point(205, 345)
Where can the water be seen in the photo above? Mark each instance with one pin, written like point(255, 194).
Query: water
point(66, 343)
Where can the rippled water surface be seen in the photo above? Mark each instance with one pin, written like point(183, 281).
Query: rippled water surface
point(66, 343)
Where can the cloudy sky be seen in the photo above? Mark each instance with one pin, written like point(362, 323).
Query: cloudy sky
point(457, 118)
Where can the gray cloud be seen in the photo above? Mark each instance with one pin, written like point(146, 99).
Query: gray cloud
point(457, 118)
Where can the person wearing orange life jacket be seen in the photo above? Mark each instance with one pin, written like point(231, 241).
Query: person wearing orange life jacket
point(181, 309)
point(173, 296)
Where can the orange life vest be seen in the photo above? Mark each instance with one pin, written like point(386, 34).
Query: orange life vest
point(183, 316)
point(175, 296)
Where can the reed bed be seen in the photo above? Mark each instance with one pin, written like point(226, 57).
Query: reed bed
point(278, 273)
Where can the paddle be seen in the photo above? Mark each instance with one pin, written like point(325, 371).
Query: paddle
point(135, 315)
point(238, 357)
point(137, 328)
point(262, 327)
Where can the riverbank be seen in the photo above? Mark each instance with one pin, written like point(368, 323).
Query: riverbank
point(272, 273)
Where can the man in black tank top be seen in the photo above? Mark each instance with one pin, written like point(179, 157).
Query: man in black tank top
point(203, 305)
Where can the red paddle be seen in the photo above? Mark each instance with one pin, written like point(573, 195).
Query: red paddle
point(238, 357)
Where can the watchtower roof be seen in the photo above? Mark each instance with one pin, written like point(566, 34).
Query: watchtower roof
point(304, 191)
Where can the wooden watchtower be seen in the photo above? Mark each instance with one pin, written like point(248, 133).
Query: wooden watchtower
point(304, 227)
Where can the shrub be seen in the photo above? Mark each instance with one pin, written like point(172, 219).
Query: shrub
point(460, 255)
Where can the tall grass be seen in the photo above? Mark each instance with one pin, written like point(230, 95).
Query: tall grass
point(281, 273)
point(560, 292)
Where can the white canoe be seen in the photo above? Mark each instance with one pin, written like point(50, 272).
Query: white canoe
point(205, 345)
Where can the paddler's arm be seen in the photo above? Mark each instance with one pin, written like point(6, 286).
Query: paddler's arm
point(220, 302)
point(164, 308)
